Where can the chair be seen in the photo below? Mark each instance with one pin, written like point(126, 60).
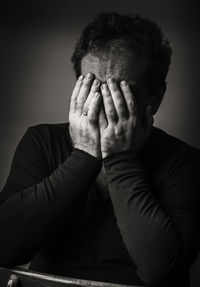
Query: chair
point(19, 277)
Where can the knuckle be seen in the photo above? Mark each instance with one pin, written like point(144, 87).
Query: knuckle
point(87, 82)
point(78, 104)
point(114, 88)
point(121, 106)
point(132, 106)
point(133, 121)
point(119, 132)
point(85, 109)
point(92, 121)
point(106, 93)
point(93, 89)
point(112, 115)
point(125, 88)
point(124, 114)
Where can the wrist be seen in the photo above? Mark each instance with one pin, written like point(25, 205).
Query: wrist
point(95, 153)
point(113, 152)
point(122, 154)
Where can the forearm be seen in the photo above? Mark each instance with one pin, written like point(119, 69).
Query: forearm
point(29, 218)
point(150, 236)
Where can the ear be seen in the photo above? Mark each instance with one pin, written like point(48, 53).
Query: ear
point(156, 104)
point(157, 98)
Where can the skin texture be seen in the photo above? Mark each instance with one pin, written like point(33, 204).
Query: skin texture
point(116, 119)
point(84, 129)
point(119, 65)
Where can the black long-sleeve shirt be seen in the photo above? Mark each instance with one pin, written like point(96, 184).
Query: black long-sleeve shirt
point(139, 224)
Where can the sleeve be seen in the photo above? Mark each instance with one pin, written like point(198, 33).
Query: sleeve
point(160, 234)
point(32, 203)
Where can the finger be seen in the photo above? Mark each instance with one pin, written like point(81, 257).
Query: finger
point(129, 98)
point(94, 109)
point(94, 89)
point(103, 123)
point(108, 104)
point(75, 93)
point(84, 92)
point(118, 98)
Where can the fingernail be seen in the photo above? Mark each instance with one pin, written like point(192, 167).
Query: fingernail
point(89, 76)
point(81, 77)
point(104, 87)
point(111, 80)
point(96, 82)
point(123, 83)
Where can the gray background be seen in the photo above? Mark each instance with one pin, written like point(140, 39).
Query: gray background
point(37, 77)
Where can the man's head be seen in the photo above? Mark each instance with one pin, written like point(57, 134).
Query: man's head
point(126, 48)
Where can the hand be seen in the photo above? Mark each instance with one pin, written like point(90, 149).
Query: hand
point(83, 115)
point(120, 129)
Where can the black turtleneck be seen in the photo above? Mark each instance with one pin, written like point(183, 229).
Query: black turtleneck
point(131, 219)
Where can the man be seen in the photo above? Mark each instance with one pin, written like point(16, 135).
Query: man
point(107, 197)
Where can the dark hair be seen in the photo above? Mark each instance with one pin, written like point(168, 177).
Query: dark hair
point(140, 36)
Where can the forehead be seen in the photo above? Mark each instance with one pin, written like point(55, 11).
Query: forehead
point(121, 66)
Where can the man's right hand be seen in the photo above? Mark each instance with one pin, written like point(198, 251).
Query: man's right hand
point(83, 115)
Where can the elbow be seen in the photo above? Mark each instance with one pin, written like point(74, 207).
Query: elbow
point(6, 263)
point(158, 273)
point(9, 259)
point(153, 278)
point(157, 268)
point(10, 263)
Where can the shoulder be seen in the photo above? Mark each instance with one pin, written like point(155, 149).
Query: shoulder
point(61, 129)
point(171, 155)
point(48, 137)
point(169, 146)
point(50, 142)
point(46, 132)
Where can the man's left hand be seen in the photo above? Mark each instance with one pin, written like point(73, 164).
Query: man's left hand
point(120, 129)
